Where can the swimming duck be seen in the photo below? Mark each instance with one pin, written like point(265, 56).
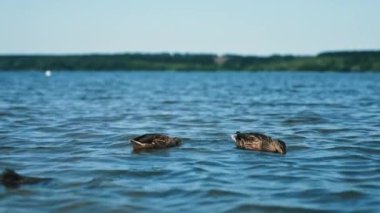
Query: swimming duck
point(259, 142)
point(10, 179)
point(154, 141)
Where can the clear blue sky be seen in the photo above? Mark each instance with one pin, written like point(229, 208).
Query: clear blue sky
point(254, 27)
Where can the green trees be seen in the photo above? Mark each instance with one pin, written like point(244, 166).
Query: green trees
point(329, 61)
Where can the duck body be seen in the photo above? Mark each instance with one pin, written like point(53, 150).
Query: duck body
point(10, 179)
point(258, 142)
point(154, 141)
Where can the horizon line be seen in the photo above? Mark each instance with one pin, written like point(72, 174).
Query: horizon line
point(190, 53)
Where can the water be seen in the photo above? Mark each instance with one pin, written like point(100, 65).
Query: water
point(75, 127)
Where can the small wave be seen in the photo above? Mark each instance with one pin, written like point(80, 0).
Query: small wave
point(304, 120)
point(272, 208)
point(132, 173)
point(348, 195)
point(224, 193)
point(82, 205)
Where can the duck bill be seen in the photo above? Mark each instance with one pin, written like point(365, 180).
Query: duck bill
point(233, 137)
point(137, 145)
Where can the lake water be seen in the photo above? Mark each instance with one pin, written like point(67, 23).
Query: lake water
point(74, 127)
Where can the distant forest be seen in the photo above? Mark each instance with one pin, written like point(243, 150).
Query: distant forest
point(328, 61)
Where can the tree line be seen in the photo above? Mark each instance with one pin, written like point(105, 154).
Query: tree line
point(327, 61)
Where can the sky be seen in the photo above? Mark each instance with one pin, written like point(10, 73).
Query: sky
point(248, 27)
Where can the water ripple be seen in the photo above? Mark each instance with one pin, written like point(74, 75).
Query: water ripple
point(75, 128)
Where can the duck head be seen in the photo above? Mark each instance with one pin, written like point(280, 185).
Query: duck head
point(10, 178)
point(235, 137)
point(279, 146)
point(177, 141)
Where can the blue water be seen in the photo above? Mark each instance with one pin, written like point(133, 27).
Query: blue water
point(74, 127)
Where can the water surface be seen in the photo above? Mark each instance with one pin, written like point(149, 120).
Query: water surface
point(74, 127)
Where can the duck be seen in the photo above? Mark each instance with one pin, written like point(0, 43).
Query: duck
point(154, 141)
point(258, 142)
point(11, 179)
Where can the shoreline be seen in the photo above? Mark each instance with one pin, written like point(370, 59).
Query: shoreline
point(344, 61)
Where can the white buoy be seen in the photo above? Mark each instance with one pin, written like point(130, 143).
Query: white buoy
point(48, 73)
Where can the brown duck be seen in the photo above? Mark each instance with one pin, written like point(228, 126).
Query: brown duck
point(258, 142)
point(154, 141)
point(10, 179)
